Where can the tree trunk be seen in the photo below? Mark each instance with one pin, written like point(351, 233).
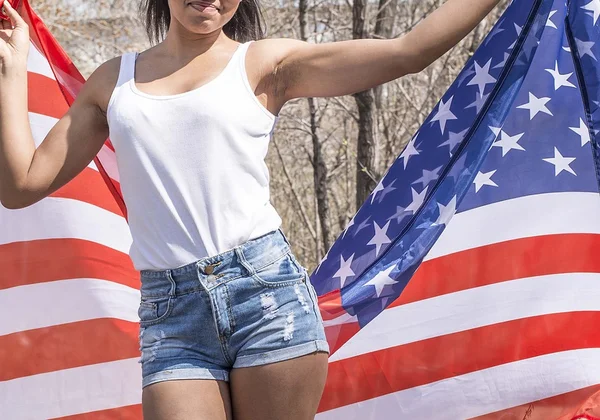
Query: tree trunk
point(320, 168)
point(366, 165)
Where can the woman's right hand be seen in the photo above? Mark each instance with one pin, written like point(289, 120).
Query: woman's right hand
point(29, 174)
point(14, 43)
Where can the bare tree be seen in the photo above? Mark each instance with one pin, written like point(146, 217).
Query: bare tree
point(366, 175)
point(318, 161)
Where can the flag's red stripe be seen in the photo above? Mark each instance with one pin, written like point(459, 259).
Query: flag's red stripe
point(549, 408)
point(67, 346)
point(411, 365)
point(130, 412)
point(33, 262)
point(331, 305)
point(526, 257)
point(337, 335)
point(45, 96)
point(89, 187)
point(477, 267)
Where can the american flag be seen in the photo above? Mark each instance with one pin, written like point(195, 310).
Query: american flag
point(468, 283)
point(68, 290)
point(465, 286)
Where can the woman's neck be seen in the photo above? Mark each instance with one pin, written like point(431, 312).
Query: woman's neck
point(182, 44)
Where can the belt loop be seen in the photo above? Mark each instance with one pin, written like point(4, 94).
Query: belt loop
point(242, 259)
point(285, 238)
point(173, 284)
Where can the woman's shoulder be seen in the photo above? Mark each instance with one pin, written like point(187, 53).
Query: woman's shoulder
point(274, 47)
point(103, 81)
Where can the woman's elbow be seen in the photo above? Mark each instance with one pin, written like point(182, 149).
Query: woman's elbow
point(15, 201)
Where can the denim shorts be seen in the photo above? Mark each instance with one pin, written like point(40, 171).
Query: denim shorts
point(250, 306)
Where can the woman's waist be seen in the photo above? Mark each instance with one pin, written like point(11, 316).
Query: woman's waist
point(167, 237)
point(241, 260)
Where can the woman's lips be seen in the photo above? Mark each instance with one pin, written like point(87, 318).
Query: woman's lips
point(203, 5)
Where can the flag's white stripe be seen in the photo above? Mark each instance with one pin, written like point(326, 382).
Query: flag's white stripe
point(342, 319)
point(474, 308)
point(72, 391)
point(37, 63)
point(54, 218)
point(482, 392)
point(41, 126)
point(544, 214)
point(60, 302)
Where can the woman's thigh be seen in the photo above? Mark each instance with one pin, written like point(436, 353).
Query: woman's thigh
point(289, 390)
point(187, 400)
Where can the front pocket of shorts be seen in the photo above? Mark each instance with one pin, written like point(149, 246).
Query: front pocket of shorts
point(154, 310)
point(283, 272)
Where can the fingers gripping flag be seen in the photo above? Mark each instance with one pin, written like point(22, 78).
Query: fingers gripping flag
point(468, 284)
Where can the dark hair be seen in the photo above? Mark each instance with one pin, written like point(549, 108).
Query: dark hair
point(246, 24)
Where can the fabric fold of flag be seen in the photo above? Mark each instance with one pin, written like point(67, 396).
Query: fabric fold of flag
point(467, 284)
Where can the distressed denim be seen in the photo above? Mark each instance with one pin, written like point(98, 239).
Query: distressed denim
point(249, 306)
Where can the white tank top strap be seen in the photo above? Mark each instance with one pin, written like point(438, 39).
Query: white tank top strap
point(241, 56)
point(127, 71)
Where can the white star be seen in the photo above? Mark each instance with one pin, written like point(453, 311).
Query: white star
point(350, 224)
point(494, 32)
point(363, 225)
point(447, 212)
point(444, 114)
point(378, 188)
point(399, 215)
point(594, 7)
point(409, 150)
point(345, 270)
point(585, 48)
point(381, 280)
point(495, 130)
point(560, 80)
point(560, 163)
point(417, 200)
point(519, 30)
point(482, 77)
point(508, 143)
point(380, 237)
point(503, 63)
point(536, 105)
point(428, 176)
point(479, 102)
point(454, 139)
point(550, 23)
point(388, 189)
point(531, 43)
point(482, 179)
point(460, 170)
point(466, 73)
point(583, 131)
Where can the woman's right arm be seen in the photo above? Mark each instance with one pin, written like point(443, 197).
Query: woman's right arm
point(28, 175)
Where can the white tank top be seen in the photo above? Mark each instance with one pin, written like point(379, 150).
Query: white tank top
point(192, 166)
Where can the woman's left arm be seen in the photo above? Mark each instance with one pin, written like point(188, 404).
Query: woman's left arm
point(298, 69)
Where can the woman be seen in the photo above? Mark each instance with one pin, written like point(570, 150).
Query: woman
point(229, 322)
